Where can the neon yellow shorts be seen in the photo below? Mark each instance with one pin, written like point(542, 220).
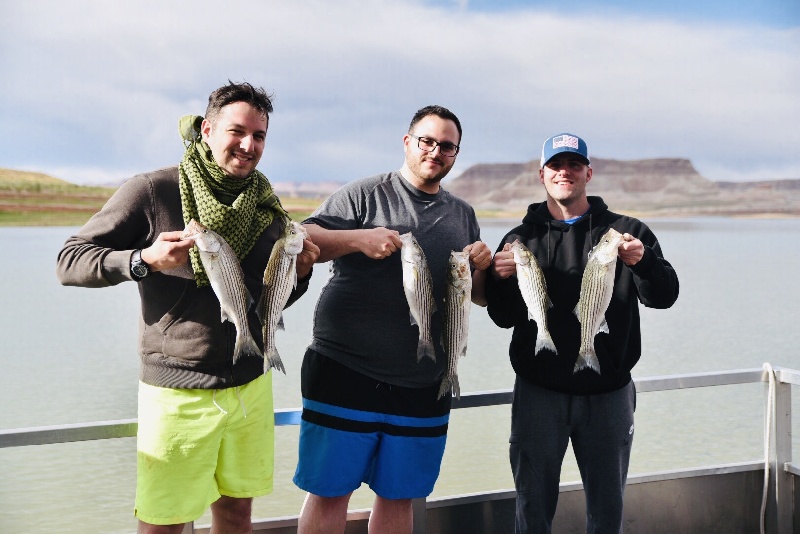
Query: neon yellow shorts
point(194, 445)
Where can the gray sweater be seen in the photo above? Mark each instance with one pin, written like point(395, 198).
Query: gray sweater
point(182, 341)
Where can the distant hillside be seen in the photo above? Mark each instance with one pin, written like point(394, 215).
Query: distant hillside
point(36, 199)
point(665, 186)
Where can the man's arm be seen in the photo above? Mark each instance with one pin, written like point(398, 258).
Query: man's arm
point(377, 243)
point(99, 254)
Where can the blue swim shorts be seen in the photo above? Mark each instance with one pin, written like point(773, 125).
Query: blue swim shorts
point(357, 429)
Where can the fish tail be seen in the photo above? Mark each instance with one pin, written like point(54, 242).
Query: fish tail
point(450, 383)
point(425, 348)
point(272, 360)
point(545, 341)
point(245, 346)
point(587, 359)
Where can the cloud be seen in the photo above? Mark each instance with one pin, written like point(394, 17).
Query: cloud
point(94, 89)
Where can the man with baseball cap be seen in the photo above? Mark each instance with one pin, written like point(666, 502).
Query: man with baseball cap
point(556, 401)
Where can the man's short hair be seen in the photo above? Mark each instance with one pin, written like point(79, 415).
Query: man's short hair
point(238, 92)
point(439, 111)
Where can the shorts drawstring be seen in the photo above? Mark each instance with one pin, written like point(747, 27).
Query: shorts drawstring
point(222, 410)
point(214, 400)
point(241, 403)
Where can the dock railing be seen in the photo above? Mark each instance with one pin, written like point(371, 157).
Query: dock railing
point(778, 505)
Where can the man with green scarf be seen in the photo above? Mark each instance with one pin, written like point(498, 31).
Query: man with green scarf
point(206, 424)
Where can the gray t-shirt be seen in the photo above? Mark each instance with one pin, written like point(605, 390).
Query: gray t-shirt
point(362, 319)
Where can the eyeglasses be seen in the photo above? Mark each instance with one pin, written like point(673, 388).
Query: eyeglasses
point(429, 145)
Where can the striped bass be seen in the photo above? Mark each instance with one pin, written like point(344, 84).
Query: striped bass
point(458, 300)
point(597, 286)
point(280, 277)
point(533, 288)
point(227, 280)
point(419, 293)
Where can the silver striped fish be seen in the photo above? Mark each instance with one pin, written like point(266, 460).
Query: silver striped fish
point(227, 280)
point(280, 277)
point(533, 287)
point(597, 286)
point(419, 293)
point(458, 300)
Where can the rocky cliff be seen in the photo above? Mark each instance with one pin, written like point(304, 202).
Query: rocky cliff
point(664, 186)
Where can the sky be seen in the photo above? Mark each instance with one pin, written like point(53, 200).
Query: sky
point(91, 91)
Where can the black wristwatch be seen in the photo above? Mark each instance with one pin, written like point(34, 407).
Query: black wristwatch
point(139, 269)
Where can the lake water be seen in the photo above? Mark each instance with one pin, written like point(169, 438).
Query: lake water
point(69, 356)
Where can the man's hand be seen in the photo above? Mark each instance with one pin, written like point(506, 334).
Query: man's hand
point(306, 258)
point(168, 251)
point(379, 243)
point(480, 255)
point(631, 251)
point(503, 264)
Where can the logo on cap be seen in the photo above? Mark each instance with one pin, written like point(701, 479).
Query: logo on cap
point(565, 140)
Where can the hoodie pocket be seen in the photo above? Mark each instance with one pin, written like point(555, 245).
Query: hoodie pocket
point(191, 330)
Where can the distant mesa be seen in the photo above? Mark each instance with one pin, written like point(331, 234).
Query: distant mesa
point(653, 187)
point(662, 186)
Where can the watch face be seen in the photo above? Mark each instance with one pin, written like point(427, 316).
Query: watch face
point(139, 270)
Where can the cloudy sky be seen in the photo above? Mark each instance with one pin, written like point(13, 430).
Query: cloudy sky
point(92, 91)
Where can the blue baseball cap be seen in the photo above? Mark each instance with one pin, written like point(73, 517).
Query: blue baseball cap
point(564, 142)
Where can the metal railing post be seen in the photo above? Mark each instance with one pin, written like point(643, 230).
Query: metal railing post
point(420, 509)
point(779, 508)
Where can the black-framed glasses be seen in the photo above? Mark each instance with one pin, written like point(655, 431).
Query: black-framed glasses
point(429, 145)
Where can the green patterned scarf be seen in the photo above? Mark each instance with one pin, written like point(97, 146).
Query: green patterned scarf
point(238, 210)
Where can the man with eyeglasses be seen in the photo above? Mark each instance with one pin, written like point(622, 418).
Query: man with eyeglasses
point(371, 411)
point(556, 401)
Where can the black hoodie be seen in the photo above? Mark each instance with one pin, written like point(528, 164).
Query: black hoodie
point(562, 251)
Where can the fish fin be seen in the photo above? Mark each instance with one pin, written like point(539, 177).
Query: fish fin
point(425, 348)
point(413, 319)
point(544, 341)
point(245, 346)
point(224, 316)
point(450, 384)
point(577, 310)
point(587, 360)
point(262, 306)
point(280, 325)
point(272, 360)
point(603, 327)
